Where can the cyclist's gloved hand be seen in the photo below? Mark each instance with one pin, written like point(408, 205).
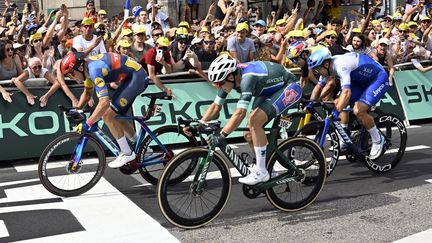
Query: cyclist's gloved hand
point(82, 128)
point(334, 115)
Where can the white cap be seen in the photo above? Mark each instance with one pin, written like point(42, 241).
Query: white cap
point(17, 45)
point(384, 41)
point(42, 29)
point(196, 40)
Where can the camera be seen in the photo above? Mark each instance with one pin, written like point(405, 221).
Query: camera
point(100, 32)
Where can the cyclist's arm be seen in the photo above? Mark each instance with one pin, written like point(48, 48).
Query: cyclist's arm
point(102, 106)
point(85, 97)
point(235, 120)
point(214, 109)
point(343, 99)
point(316, 92)
point(328, 88)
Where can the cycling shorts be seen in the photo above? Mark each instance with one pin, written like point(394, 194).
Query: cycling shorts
point(279, 101)
point(128, 90)
point(371, 94)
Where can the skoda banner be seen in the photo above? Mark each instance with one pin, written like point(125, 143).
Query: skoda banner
point(415, 89)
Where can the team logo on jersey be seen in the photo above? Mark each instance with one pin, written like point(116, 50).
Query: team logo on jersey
point(99, 82)
point(290, 97)
point(123, 102)
point(96, 57)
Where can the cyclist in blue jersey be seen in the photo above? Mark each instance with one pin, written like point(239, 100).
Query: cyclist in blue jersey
point(97, 72)
point(363, 82)
point(274, 90)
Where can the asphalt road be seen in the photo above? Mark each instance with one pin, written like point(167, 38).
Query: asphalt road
point(356, 205)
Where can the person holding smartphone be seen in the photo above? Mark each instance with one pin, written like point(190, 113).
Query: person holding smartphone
point(157, 58)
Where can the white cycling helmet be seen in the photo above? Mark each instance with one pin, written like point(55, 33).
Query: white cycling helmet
point(220, 68)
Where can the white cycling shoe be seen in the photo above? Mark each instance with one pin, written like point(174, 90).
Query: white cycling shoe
point(377, 149)
point(121, 160)
point(256, 176)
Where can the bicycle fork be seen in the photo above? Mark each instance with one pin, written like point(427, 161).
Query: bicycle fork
point(200, 176)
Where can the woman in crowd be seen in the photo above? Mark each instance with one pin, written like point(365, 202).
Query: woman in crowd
point(10, 64)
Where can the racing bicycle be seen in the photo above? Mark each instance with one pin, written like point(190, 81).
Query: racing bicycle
point(73, 163)
point(201, 197)
point(327, 134)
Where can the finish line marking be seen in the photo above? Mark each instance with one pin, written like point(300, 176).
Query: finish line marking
point(424, 236)
point(3, 230)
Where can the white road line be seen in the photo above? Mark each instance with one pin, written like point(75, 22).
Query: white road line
point(3, 230)
point(424, 236)
point(90, 209)
point(430, 180)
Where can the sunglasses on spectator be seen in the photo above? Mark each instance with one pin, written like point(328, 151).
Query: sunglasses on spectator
point(331, 37)
point(37, 41)
point(163, 48)
point(209, 42)
point(182, 42)
point(9, 49)
point(404, 31)
point(36, 67)
point(157, 34)
point(88, 26)
point(388, 20)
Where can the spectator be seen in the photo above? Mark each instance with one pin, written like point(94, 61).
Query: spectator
point(156, 34)
point(101, 16)
point(10, 64)
point(37, 50)
point(142, 22)
point(221, 9)
point(90, 12)
point(194, 6)
point(384, 58)
point(35, 70)
point(425, 22)
point(207, 54)
point(158, 16)
point(241, 47)
point(82, 43)
point(359, 44)
point(20, 50)
point(183, 58)
point(157, 58)
point(139, 47)
point(124, 47)
point(259, 28)
point(330, 41)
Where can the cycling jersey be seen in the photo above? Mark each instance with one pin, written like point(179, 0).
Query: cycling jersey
point(112, 67)
point(268, 82)
point(366, 78)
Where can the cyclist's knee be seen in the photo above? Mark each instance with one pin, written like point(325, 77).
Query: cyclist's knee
point(247, 136)
point(257, 118)
point(360, 109)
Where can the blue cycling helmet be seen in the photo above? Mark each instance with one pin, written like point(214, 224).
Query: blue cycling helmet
point(136, 10)
point(317, 58)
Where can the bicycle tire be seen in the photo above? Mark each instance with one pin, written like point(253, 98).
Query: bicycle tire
point(386, 162)
point(218, 177)
point(332, 149)
point(279, 198)
point(151, 173)
point(53, 155)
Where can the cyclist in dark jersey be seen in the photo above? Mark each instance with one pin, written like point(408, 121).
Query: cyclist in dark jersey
point(274, 90)
point(97, 72)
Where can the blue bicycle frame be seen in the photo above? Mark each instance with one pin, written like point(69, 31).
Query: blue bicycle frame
point(102, 137)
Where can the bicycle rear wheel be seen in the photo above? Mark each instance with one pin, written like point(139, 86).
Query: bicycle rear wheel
point(331, 149)
point(184, 206)
point(175, 142)
point(295, 194)
point(55, 166)
point(395, 133)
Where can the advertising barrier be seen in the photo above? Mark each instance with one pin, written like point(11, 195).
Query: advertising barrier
point(415, 90)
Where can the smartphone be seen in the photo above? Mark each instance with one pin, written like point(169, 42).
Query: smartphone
point(159, 52)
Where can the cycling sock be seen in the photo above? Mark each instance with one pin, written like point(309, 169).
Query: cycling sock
point(124, 146)
point(375, 134)
point(260, 154)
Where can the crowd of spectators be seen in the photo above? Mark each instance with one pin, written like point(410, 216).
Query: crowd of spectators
point(32, 45)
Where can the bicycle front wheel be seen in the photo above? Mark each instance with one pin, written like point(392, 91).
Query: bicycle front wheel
point(296, 194)
point(175, 142)
point(184, 204)
point(331, 149)
point(57, 173)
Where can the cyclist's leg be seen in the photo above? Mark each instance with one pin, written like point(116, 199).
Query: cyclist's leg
point(369, 98)
point(247, 135)
point(275, 105)
point(120, 103)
